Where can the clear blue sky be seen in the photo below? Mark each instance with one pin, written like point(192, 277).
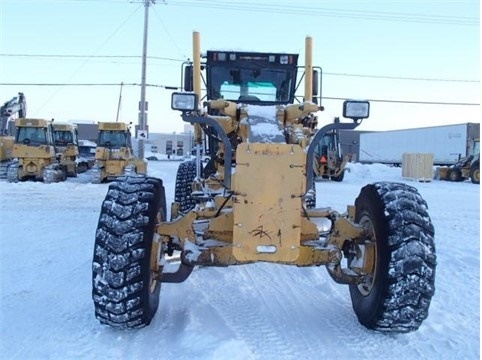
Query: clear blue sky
point(416, 39)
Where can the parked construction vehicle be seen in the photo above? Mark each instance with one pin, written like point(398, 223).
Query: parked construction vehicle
point(34, 150)
point(87, 152)
point(114, 156)
point(67, 147)
point(466, 168)
point(255, 206)
point(329, 161)
point(15, 107)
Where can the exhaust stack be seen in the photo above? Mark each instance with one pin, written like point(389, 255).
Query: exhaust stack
point(308, 69)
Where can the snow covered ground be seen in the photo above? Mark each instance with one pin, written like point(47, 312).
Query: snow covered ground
point(259, 311)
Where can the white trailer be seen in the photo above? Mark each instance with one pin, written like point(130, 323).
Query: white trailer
point(447, 143)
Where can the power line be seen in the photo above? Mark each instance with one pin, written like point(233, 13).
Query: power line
point(91, 56)
point(296, 8)
point(409, 101)
point(168, 33)
point(167, 87)
point(88, 57)
point(400, 77)
point(74, 56)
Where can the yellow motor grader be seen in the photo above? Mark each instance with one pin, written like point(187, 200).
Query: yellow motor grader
point(113, 155)
point(254, 202)
point(34, 149)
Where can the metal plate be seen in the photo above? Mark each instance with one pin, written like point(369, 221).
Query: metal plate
point(267, 207)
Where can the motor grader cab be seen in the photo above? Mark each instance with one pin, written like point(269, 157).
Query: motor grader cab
point(329, 160)
point(67, 148)
point(15, 107)
point(34, 149)
point(114, 156)
point(255, 206)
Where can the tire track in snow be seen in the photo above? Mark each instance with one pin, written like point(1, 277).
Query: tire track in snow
point(275, 311)
point(276, 308)
point(321, 310)
point(238, 310)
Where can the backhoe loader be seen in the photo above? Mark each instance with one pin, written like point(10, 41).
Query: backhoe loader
point(466, 168)
point(330, 163)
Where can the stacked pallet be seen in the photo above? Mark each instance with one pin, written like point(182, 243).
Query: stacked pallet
point(417, 166)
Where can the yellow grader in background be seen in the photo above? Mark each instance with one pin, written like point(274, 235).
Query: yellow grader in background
point(34, 149)
point(254, 202)
point(114, 156)
point(16, 107)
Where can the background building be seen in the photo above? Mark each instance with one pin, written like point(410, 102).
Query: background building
point(170, 144)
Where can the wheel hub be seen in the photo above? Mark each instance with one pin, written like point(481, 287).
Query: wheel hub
point(367, 255)
point(477, 175)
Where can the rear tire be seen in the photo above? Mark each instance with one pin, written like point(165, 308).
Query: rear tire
point(124, 290)
point(186, 173)
point(396, 296)
point(475, 173)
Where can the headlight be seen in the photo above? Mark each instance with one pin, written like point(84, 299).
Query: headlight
point(356, 109)
point(184, 101)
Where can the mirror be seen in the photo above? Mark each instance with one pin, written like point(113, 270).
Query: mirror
point(188, 80)
point(315, 83)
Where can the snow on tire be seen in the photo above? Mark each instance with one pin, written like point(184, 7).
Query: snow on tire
point(186, 173)
point(125, 293)
point(396, 297)
point(311, 201)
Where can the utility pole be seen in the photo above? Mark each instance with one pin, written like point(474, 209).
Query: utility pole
point(119, 103)
point(143, 103)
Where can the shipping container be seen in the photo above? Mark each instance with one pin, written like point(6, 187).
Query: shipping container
point(447, 143)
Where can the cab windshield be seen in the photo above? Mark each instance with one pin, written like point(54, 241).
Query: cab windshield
point(326, 143)
point(477, 148)
point(31, 136)
point(112, 139)
point(63, 137)
point(268, 85)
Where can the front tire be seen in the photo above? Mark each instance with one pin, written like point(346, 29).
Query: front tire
point(340, 177)
point(124, 288)
point(455, 175)
point(396, 295)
